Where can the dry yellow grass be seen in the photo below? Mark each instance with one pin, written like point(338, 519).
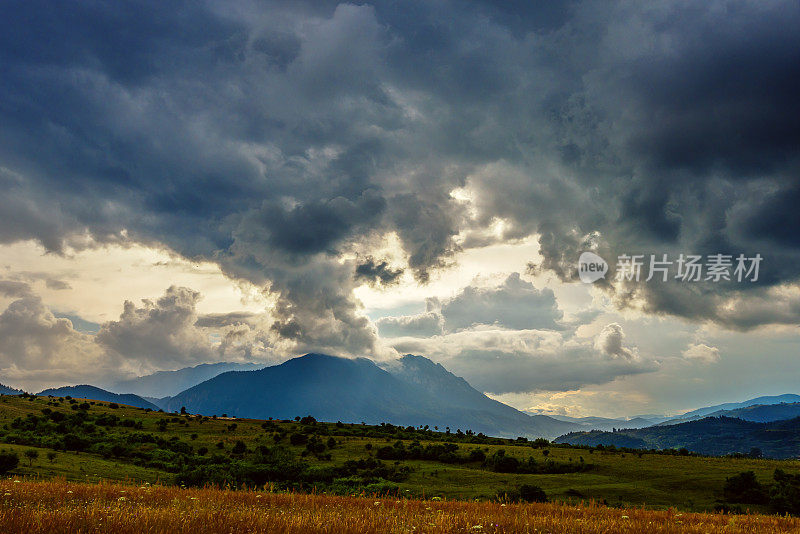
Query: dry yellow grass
point(59, 506)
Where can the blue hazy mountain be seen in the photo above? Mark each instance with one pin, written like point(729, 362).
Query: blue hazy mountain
point(764, 413)
point(605, 423)
point(168, 383)
point(714, 436)
point(412, 391)
point(730, 409)
point(5, 390)
point(95, 393)
point(775, 399)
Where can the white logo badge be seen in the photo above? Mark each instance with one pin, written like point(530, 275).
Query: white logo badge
point(591, 267)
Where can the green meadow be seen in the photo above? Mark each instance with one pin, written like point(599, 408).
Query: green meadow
point(93, 441)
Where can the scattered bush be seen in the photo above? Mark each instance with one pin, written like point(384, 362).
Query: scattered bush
point(8, 461)
point(784, 495)
point(744, 488)
point(531, 493)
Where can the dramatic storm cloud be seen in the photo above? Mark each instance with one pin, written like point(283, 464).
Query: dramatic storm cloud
point(317, 150)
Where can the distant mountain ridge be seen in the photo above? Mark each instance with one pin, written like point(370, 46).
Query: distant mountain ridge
point(714, 436)
point(413, 391)
point(86, 391)
point(167, 383)
point(770, 399)
point(5, 390)
point(605, 423)
point(764, 413)
point(739, 409)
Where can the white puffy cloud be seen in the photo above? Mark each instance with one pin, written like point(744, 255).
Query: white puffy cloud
point(610, 341)
point(503, 361)
point(702, 353)
point(513, 304)
point(427, 324)
point(40, 349)
point(161, 331)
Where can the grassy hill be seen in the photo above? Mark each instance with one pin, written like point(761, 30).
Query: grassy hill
point(94, 440)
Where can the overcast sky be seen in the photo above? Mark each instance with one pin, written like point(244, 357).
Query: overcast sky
point(188, 182)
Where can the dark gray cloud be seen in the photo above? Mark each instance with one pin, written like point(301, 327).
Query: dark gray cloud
point(50, 281)
point(55, 283)
point(274, 137)
point(14, 289)
point(377, 272)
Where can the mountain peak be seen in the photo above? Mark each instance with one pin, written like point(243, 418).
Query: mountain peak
point(412, 390)
point(416, 358)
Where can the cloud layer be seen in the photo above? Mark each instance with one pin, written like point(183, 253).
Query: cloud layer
point(284, 141)
point(39, 349)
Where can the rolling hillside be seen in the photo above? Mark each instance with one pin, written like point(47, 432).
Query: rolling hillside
point(95, 393)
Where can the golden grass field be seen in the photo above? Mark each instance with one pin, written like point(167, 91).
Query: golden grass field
point(59, 506)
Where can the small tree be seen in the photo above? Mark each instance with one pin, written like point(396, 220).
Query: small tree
point(51, 455)
point(31, 455)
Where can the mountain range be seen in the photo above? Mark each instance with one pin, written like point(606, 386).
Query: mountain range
point(713, 436)
point(416, 391)
point(412, 391)
point(763, 413)
point(605, 423)
point(5, 390)
point(742, 410)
